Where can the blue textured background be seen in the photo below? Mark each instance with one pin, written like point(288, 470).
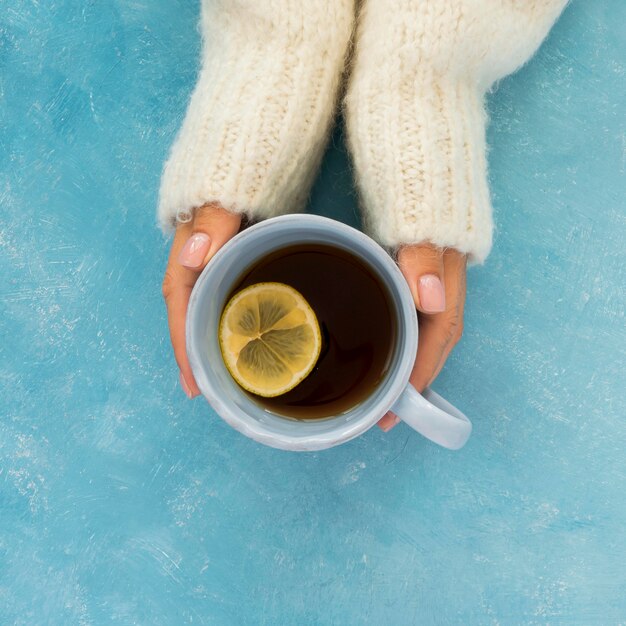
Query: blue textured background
point(123, 503)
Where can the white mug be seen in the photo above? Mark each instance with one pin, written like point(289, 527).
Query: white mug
point(427, 413)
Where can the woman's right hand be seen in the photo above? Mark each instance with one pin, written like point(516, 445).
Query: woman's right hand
point(194, 245)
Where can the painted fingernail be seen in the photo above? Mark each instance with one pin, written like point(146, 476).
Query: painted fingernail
point(185, 386)
point(431, 293)
point(195, 250)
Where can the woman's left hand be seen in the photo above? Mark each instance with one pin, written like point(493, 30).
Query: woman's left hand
point(436, 278)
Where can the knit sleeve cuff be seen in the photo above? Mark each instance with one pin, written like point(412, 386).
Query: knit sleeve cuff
point(256, 125)
point(419, 150)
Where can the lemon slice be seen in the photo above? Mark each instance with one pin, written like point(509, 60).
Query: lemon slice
point(270, 338)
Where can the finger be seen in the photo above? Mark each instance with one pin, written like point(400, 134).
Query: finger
point(212, 227)
point(423, 269)
point(431, 343)
point(439, 333)
point(177, 285)
point(194, 245)
point(455, 265)
point(388, 421)
point(176, 314)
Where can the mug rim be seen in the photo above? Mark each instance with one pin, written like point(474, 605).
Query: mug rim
point(251, 427)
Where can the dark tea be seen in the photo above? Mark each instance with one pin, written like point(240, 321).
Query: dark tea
point(357, 320)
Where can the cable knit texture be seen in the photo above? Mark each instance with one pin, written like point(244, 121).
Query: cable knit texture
point(257, 122)
point(258, 119)
point(415, 112)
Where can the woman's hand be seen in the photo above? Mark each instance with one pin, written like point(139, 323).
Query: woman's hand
point(436, 278)
point(194, 245)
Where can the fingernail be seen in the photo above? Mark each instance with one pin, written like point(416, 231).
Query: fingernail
point(185, 386)
point(390, 425)
point(387, 423)
point(195, 250)
point(431, 294)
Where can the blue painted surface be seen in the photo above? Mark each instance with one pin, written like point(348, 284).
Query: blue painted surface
point(123, 503)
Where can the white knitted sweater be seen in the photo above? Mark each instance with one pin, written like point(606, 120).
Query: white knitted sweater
point(259, 117)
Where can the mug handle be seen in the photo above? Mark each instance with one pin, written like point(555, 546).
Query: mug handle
point(433, 417)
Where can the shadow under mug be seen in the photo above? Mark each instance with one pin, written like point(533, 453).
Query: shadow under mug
point(427, 413)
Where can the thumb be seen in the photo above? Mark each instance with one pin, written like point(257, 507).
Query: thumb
point(212, 227)
point(422, 267)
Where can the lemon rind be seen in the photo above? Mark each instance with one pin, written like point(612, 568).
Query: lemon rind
point(230, 361)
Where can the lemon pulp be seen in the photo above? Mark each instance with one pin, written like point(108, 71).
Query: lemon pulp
point(270, 338)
